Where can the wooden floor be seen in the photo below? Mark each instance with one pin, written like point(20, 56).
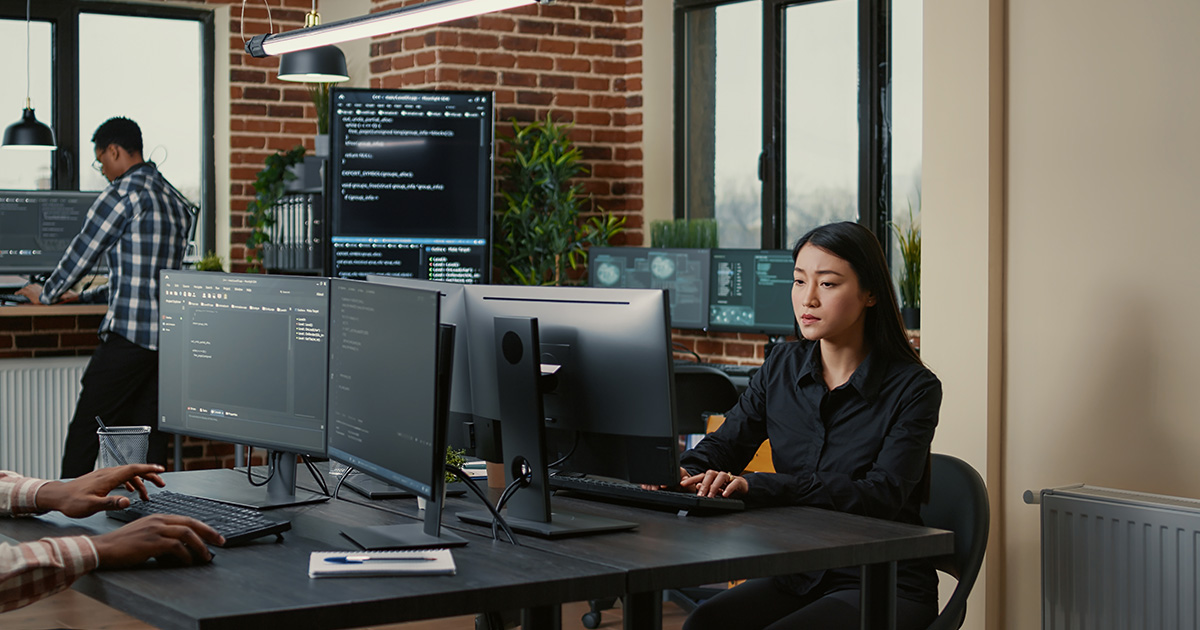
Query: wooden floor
point(73, 610)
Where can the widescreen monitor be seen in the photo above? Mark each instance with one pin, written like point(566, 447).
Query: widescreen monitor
point(410, 184)
point(682, 272)
point(611, 412)
point(37, 226)
point(243, 358)
point(389, 364)
point(750, 291)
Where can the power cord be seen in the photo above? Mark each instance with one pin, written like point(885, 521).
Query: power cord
point(316, 475)
point(250, 466)
point(496, 517)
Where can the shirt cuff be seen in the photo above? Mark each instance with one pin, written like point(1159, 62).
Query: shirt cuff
point(78, 555)
point(25, 496)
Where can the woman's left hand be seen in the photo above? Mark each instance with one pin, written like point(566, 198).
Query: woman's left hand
point(714, 483)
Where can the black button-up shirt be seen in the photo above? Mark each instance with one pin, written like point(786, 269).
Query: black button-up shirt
point(861, 448)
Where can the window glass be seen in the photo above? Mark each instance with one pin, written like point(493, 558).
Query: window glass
point(906, 115)
point(25, 170)
point(821, 114)
point(724, 120)
point(167, 104)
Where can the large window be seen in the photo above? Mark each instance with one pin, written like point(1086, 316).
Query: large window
point(789, 115)
point(95, 60)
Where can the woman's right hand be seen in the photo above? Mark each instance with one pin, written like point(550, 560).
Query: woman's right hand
point(716, 483)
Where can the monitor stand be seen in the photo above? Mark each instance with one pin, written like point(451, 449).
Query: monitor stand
point(280, 491)
point(523, 434)
point(375, 489)
point(427, 534)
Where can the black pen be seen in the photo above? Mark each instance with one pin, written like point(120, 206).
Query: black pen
point(359, 559)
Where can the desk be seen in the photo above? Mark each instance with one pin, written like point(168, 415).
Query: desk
point(669, 551)
point(267, 585)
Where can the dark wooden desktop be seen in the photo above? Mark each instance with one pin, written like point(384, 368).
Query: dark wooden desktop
point(267, 583)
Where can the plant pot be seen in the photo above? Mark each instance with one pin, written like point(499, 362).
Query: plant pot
point(912, 317)
point(321, 145)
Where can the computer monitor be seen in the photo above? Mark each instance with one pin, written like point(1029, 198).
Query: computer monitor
point(751, 291)
point(682, 272)
point(389, 380)
point(454, 312)
point(37, 226)
point(411, 184)
point(243, 358)
point(613, 407)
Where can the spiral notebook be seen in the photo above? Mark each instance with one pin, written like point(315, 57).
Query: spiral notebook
point(370, 563)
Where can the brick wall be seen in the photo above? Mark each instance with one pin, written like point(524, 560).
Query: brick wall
point(578, 61)
point(48, 335)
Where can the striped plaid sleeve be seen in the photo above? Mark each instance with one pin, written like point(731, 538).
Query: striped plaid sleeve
point(31, 571)
point(105, 220)
point(18, 494)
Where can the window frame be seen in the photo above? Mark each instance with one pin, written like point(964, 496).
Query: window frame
point(63, 16)
point(874, 115)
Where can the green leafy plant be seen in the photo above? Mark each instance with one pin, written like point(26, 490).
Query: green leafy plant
point(456, 458)
point(210, 262)
point(319, 93)
point(909, 241)
point(268, 189)
point(694, 233)
point(539, 232)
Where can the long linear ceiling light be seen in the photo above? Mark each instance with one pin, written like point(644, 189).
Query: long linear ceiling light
point(382, 23)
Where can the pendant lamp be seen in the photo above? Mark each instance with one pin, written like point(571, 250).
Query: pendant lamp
point(323, 64)
point(28, 133)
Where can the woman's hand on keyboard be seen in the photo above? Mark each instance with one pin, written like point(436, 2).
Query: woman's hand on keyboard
point(89, 494)
point(177, 538)
point(716, 483)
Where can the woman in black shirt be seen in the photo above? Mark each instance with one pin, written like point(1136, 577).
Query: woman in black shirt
point(850, 411)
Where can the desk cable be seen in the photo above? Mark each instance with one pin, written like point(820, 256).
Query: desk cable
point(497, 519)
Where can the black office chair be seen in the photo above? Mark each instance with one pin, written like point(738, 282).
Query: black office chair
point(700, 390)
point(958, 502)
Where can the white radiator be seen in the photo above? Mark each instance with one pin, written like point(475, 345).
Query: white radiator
point(1113, 559)
point(37, 398)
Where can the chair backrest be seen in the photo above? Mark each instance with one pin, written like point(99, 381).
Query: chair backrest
point(958, 502)
point(700, 389)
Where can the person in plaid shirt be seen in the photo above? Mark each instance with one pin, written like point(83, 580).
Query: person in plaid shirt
point(141, 225)
point(31, 571)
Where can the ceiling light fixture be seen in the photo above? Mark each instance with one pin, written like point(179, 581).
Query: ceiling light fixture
point(323, 64)
point(382, 23)
point(28, 133)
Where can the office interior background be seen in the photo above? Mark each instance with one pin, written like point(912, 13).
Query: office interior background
point(1058, 201)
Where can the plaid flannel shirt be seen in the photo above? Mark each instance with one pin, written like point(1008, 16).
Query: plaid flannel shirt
point(31, 571)
point(143, 225)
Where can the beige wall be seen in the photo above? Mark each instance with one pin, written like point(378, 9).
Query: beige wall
point(1098, 218)
point(658, 82)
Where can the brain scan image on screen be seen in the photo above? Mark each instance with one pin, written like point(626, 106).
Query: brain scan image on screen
point(608, 274)
point(662, 267)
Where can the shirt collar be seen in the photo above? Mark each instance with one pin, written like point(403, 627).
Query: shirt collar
point(866, 379)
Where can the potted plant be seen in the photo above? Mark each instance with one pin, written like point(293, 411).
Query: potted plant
point(268, 189)
point(539, 234)
point(909, 241)
point(687, 233)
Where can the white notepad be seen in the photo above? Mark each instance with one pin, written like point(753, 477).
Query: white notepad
point(368, 563)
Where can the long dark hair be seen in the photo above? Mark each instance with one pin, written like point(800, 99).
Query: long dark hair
point(883, 329)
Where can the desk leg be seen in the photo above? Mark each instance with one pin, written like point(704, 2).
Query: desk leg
point(878, 603)
point(643, 611)
point(542, 618)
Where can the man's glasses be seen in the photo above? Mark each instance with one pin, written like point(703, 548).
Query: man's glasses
point(98, 166)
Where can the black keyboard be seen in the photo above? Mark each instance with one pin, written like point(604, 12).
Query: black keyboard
point(13, 298)
point(237, 524)
point(636, 495)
